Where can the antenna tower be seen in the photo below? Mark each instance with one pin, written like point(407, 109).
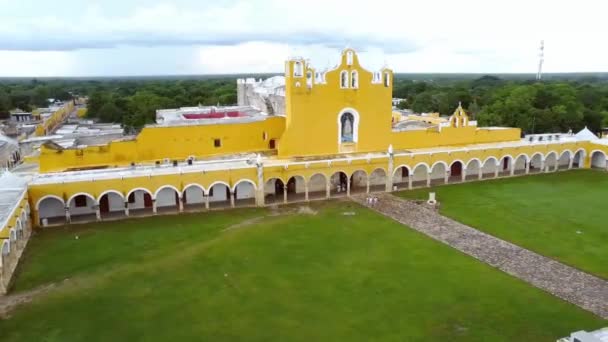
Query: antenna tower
point(541, 59)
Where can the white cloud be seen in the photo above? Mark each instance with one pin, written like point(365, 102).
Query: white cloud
point(255, 36)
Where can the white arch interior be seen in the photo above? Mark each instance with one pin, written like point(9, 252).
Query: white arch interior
point(19, 227)
point(271, 187)
point(219, 192)
point(317, 183)
point(536, 162)
point(139, 199)
point(358, 179)
point(551, 161)
point(473, 168)
point(51, 207)
point(578, 160)
point(337, 182)
point(82, 204)
point(598, 160)
point(564, 159)
point(506, 163)
point(520, 164)
point(6, 247)
point(296, 184)
point(377, 177)
point(23, 217)
point(420, 173)
point(438, 171)
point(111, 201)
point(489, 166)
point(167, 197)
point(194, 195)
point(244, 190)
point(13, 234)
point(401, 174)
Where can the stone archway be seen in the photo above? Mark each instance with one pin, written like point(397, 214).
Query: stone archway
point(244, 193)
point(167, 199)
point(358, 182)
point(439, 173)
point(579, 159)
point(401, 177)
point(219, 195)
point(51, 210)
point(489, 169)
point(338, 184)
point(420, 175)
point(193, 197)
point(505, 166)
point(563, 163)
point(598, 160)
point(296, 189)
point(111, 205)
point(456, 172)
point(82, 208)
point(317, 186)
point(519, 165)
point(473, 169)
point(377, 180)
point(536, 163)
point(551, 162)
point(274, 190)
point(139, 201)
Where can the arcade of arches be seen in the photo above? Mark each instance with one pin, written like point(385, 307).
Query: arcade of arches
point(113, 204)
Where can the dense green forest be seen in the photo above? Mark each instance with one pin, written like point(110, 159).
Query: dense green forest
point(558, 103)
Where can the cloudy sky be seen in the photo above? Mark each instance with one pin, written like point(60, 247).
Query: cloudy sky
point(160, 37)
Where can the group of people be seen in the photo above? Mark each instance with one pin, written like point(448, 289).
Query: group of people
point(371, 201)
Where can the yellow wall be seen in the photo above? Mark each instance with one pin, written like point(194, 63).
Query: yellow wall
point(152, 183)
point(15, 214)
point(310, 127)
point(313, 111)
point(81, 112)
point(305, 170)
point(53, 121)
point(174, 142)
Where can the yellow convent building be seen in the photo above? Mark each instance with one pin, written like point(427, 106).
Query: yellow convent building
point(309, 134)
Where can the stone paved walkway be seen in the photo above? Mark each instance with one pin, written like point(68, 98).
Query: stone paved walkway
point(577, 287)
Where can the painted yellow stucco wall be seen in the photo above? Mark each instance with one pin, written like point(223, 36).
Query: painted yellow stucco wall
point(174, 143)
point(15, 216)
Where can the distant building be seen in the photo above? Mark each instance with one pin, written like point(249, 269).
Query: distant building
point(19, 115)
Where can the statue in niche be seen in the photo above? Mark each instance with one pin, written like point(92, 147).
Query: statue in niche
point(347, 121)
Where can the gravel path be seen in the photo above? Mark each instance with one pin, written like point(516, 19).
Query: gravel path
point(579, 288)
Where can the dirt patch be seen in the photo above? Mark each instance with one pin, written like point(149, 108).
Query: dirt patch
point(10, 302)
point(244, 223)
point(306, 210)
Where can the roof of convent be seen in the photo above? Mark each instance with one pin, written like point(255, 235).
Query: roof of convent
point(250, 160)
point(208, 115)
point(12, 189)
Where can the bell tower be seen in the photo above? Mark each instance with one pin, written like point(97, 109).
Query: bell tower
point(343, 110)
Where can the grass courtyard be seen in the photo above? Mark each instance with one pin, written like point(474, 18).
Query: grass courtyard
point(559, 215)
point(339, 273)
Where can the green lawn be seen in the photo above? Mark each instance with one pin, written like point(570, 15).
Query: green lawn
point(560, 215)
point(292, 277)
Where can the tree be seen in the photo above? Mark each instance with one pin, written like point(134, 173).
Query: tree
point(40, 96)
point(109, 112)
point(5, 104)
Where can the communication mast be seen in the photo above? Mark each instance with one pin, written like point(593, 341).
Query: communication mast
point(541, 58)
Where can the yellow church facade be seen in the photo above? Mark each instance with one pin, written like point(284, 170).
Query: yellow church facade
point(337, 137)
